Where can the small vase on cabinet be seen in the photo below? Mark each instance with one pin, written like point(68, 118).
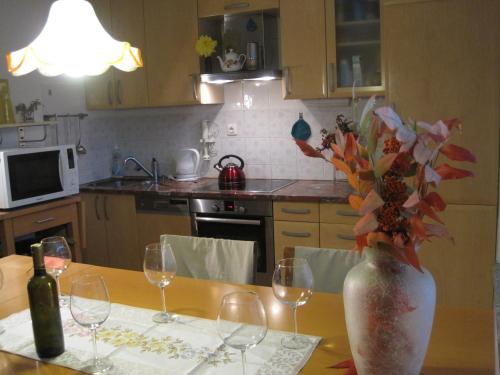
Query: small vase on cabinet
point(389, 309)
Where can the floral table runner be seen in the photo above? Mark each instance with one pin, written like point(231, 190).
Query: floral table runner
point(136, 345)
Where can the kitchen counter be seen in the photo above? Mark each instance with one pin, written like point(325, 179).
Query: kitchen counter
point(300, 190)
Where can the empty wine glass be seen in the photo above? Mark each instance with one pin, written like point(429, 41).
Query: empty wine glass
point(90, 307)
point(160, 268)
point(242, 321)
point(57, 259)
point(292, 285)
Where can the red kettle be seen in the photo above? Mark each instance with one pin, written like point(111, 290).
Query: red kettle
point(231, 176)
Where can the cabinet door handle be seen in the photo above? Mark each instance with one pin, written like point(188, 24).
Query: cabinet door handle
point(105, 204)
point(331, 77)
point(41, 221)
point(110, 92)
point(195, 82)
point(347, 237)
point(239, 5)
point(347, 213)
point(118, 91)
point(96, 207)
point(296, 234)
point(286, 77)
point(296, 211)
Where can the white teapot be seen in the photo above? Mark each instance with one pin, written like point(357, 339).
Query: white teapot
point(232, 61)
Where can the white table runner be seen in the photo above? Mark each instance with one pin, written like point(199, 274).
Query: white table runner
point(136, 345)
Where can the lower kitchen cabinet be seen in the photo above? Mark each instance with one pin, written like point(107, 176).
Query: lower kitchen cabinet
point(464, 271)
point(111, 231)
point(151, 226)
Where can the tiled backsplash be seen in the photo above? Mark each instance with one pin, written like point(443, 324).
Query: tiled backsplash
point(262, 118)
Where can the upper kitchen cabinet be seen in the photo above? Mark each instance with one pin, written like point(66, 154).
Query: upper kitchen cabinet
point(354, 47)
point(442, 62)
point(303, 51)
point(173, 70)
point(211, 8)
point(124, 20)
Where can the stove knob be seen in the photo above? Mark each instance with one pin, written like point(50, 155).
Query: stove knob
point(241, 210)
point(215, 208)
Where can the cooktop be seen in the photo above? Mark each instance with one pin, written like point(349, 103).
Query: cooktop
point(251, 186)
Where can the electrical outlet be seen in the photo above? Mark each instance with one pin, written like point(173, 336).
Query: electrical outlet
point(232, 129)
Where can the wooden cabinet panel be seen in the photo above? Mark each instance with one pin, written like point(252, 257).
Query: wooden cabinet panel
point(303, 49)
point(296, 211)
point(96, 251)
point(121, 227)
point(173, 65)
point(127, 19)
point(151, 226)
point(464, 271)
point(338, 213)
point(294, 234)
point(336, 236)
point(39, 221)
point(210, 8)
point(443, 61)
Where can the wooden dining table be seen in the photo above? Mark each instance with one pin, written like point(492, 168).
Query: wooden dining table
point(462, 340)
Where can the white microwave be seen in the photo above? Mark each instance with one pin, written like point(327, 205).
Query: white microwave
point(33, 175)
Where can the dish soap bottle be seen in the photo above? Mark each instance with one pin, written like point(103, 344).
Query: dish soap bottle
point(116, 162)
point(44, 309)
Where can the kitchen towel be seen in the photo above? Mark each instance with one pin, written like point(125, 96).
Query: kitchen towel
point(213, 258)
point(137, 346)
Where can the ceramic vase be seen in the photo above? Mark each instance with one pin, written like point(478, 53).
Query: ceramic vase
point(389, 309)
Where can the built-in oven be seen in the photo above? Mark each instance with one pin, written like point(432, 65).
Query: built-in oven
point(239, 220)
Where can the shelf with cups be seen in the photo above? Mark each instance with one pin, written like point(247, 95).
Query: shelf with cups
point(240, 47)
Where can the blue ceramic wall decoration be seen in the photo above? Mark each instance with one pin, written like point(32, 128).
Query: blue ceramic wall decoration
point(251, 25)
point(301, 129)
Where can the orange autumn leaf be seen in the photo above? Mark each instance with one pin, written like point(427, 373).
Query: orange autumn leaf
point(374, 238)
point(434, 200)
point(366, 224)
point(366, 175)
point(350, 147)
point(365, 187)
point(427, 210)
point(371, 202)
point(448, 172)
point(418, 228)
point(308, 150)
point(454, 152)
point(337, 150)
point(352, 178)
point(384, 163)
point(361, 242)
point(412, 200)
point(453, 123)
point(355, 201)
point(412, 257)
point(341, 166)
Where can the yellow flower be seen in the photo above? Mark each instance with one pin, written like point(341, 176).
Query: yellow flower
point(205, 46)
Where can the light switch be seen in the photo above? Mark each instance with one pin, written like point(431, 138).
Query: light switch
point(232, 129)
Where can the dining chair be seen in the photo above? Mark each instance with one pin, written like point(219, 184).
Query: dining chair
point(213, 258)
point(329, 266)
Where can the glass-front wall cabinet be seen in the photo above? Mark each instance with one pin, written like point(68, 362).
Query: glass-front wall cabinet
point(354, 51)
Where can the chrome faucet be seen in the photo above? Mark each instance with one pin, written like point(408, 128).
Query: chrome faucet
point(155, 171)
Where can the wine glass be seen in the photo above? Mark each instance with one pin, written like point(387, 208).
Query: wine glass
point(90, 307)
point(292, 285)
point(242, 321)
point(160, 268)
point(57, 259)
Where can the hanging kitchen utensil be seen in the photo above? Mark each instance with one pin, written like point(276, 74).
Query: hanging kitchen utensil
point(80, 149)
point(231, 176)
point(301, 129)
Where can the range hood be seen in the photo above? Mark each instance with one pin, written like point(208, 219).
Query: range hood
point(249, 75)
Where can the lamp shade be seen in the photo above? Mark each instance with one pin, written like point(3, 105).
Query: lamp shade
point(73, 42)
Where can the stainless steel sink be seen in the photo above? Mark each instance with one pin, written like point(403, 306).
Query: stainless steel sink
point(121, 182)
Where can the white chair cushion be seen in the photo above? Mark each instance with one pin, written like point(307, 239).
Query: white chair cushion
point(329, 266)
point(212, 258)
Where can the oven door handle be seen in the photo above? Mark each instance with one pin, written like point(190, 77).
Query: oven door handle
point(227, 221)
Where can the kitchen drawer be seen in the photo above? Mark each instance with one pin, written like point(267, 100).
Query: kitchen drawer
point(336, 236)
point(296, 211)
point(210, 8)
point(294, 234)
point(338, 213)
point(43, 220)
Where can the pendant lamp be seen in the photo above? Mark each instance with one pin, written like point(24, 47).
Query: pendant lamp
point(73, 42)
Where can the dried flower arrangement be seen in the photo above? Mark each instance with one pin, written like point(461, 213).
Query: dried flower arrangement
point(380, 161)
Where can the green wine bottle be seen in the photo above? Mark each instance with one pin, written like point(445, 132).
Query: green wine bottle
point(44, 308)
